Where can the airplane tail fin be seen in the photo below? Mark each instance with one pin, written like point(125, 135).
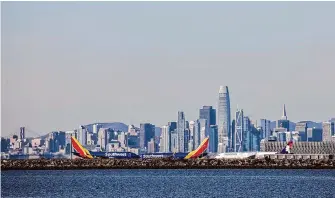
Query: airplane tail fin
point(83, 152)
point(287, 148)
point(200, 150)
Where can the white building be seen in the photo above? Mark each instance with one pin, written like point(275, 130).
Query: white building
point(103, 138)
point(165, 142)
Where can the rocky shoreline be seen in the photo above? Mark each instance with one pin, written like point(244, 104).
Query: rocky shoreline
point(64, 164)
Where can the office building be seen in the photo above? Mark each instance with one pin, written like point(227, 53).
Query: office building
point(174, 141)
point(151, 146)
point(224, 120)
point(239, 130)
point(103, 138)
point(327, 131)
point(266, 128)
point(181, 126)
point(232, 149)
point(172, 126)
point(314, 135)
point(203, 129)
point(196, 134)
point(284, 122)
point(192, 132)
point(208, 113)
point(213, 139)
point(165, 143)
point(82, 135)
point(133, 141)
point(147, 132)
point(246, 137)
point(22, 133)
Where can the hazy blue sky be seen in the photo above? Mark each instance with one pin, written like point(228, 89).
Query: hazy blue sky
point(66, 64)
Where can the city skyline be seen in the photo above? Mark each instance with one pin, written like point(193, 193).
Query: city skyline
point(62, 66)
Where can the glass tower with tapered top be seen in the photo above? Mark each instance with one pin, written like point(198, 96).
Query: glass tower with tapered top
point(224, 132)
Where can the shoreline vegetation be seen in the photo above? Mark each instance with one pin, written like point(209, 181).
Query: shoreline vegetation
point(68, 164)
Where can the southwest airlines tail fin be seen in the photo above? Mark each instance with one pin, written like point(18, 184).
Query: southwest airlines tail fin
point(287, 148)
point(82, 152)
point(200, 150)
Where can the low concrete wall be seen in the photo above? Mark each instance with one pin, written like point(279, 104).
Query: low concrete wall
point(299, 156)
point(40, 164)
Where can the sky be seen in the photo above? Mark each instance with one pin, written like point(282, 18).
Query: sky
point(66, 64)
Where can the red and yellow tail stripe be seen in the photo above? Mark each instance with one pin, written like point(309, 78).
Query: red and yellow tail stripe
point(84, 153)
point(200, 150)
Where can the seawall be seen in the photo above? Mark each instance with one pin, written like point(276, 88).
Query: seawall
point(63, 164)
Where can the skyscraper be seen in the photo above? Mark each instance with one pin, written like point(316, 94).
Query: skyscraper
point(327, 131)
point(165, 143)
point(147, 132)
point(213, 139)
point(246, 133)
point(181, 131)
point(266, 128)
point(196, 136)
point(82, 135)
point(103, 138)
point(283, 122)
point(192, 131)
point(203, 129)
point(208, 113)
point(22, 133)
point(239, 128)
point(174, 141)
point(224, 119)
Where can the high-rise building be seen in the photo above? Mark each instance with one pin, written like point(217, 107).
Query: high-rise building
point(151, 146)
point(266, 128)
point(181, 126)
point(147, 132)
point(186, 139)
point(165, 143)
point(224, 120)
point(174, 141)
point(96, 128)
point(239, 129)
point(314, 135)
point(82, 135)
point(327, 131)
point(301, 126)
point(246, 133)
point(232, 148)
point(284, 122)
point(192, 131)
point(122, 138)
point(103, 138)
point(203, 129)
point(172, 126)
point(133, 140)
point(208, 113)
point(196, 137)
point(213, 139)
point(22, 133)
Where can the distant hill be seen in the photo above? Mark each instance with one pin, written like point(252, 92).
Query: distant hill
point(114, 125)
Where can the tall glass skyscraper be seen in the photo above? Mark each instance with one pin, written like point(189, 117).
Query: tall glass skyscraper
point(181, 131)
point(239, 128)
point(213, 139)
point(208, 113)
point(224, 120)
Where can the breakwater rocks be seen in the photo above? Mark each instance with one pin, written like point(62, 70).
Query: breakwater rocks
point(62, 164)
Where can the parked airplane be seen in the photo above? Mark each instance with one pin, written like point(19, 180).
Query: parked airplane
point(82, 152)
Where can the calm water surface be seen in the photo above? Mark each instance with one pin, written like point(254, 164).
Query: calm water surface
point(169, 183)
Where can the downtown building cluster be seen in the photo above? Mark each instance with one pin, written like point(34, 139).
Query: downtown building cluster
point(227, 132)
